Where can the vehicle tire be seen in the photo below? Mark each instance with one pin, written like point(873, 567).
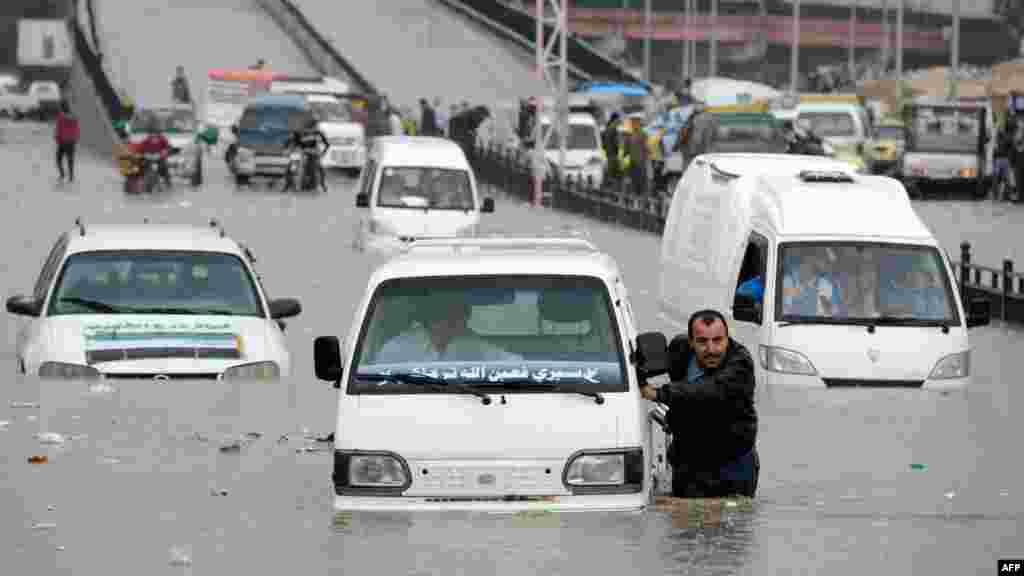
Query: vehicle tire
point(197, 175)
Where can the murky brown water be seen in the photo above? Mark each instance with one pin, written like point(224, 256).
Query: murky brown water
point(140, 479)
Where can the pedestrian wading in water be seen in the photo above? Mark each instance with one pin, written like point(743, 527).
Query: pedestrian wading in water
point(66, 133)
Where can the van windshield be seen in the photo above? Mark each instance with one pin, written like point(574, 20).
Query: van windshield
point(944, 129)
point(579, 137)
point(861, 282)
point(416, 187)
point(515, 333)
point(830, 124)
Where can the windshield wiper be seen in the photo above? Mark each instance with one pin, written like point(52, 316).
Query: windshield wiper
point(183, 311)
point(428, 381)
point(531, 384)
point(94, 305)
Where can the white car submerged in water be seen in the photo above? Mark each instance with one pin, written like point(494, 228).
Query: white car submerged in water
point(150, 301)
point(494, 375)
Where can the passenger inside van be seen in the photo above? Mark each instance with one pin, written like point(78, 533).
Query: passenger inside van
point(807, 284)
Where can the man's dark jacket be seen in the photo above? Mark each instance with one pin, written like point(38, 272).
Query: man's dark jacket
point(713, 422)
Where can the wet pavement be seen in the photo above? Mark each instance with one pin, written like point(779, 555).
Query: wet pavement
point(852, 482)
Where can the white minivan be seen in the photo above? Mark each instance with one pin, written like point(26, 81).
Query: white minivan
point(855, 291)
point(490, 374)
point(414, 187)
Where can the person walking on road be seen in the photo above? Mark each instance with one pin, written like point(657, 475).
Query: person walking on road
point(711, 411)
point(428, 121)
point(180, 93)
point(66, 133)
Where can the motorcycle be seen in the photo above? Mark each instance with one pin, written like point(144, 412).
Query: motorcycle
point(304, 171)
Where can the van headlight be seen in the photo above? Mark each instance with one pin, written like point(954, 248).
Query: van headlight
point(370, 472)
point(68, 371)
point(604, 471)
point(953, 366)
point(254, 371)
point(785, 361)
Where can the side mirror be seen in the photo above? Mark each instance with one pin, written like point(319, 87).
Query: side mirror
point(746, 309)
point(488, 206)
point(362, 201)
point(979, 312)
point(652, 354)
point(327, 359)
point(234, 129)
point(284, 308)
point(24, 306)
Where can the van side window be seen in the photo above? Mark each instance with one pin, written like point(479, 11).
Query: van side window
point(50, 268)
point(751, 279)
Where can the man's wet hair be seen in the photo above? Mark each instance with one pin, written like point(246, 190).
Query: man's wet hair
point(708, 317)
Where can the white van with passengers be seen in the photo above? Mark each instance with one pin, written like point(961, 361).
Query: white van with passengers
point(584, 157)
point(853, 289)
point(413, 187)
point(490, 374)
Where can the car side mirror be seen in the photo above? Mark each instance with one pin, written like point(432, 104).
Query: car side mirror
point(651, 355)
point(979, 312)
point(24, 306)
point(362, 201)
point(234, 129)
point(488, 206)
point(746, 309)
point(327, 359)
point(284, 308)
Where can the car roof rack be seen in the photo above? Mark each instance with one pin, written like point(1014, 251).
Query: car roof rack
point(832, 176)
point(502, 242)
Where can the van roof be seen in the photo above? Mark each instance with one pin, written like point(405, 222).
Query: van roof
point(526, 260)
point(278, 100)
point(420, 151)
point(146, 236)
point(869, 206)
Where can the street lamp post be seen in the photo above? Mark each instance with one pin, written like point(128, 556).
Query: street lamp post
point(794, 70)
point(647, 40)
point(713, 52)
point(899, 40)
point(954, 69)
point(853, 40)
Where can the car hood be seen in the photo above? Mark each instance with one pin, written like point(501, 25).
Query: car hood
point(528, 426)
point(342, 130)
point(263, 142)
point(160, 343)
point(416, 222)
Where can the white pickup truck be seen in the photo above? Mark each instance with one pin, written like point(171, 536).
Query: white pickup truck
point(40, 100)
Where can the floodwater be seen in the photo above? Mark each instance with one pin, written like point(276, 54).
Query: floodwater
point(853, 482)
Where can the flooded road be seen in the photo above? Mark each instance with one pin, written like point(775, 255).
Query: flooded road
point(137, 482)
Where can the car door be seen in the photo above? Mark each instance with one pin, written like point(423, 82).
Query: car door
point(29, 328)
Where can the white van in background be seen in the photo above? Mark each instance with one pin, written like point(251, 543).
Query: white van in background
point(857, 291)
point(414, 187)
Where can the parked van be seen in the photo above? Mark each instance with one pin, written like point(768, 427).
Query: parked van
point(532, 402)
point(855, 291)
point(584, 156)
point(267, 123)
point(416, 186)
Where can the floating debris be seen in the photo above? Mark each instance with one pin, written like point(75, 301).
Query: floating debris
point(24, 405)
point(310, 449)
point(282, 439)
point(253, 435)
point(1004, 492)
point(51, 508)
point(950, 495)
point(44, 526)
point(231, 447)
point(111, 460)
point(180, 557)
point(918, 466)
point(198, 437)
point(38, 459)
point(101, 388)
point(50, 438)
point(4, 424)
point(218, 492)
point(60, 548)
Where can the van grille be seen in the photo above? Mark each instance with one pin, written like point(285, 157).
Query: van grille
point(510, 498)
point(857, 383)
point(162, 376)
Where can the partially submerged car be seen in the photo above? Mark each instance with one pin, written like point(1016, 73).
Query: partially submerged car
point(178, 123)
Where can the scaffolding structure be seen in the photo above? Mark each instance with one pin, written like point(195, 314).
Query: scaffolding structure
point(553, 69)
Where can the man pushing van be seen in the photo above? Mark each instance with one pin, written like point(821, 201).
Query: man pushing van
point(711, 411)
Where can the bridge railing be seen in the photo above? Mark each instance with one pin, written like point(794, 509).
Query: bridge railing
point(510, 171)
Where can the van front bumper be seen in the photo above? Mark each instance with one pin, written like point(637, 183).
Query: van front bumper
point(811, 382)
point(602, 503)
point(338, 156)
